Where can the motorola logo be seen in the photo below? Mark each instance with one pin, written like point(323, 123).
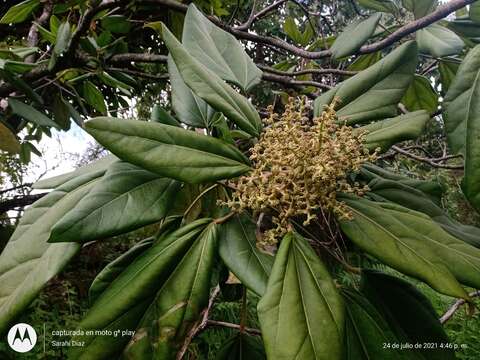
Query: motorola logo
point(22, 337)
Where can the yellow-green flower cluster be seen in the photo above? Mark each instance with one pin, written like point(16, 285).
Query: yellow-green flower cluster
point(299, 165)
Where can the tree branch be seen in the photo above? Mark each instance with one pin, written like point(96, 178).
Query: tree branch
point(289, 82)
point(19, 201)
point(431, 162)
point(127, 58)
point(255, 16)
point(199, 325)
point(32, 37)
point(307, 71)
point(41, 71)
point(233, 326)
point(451, 311)
point(441, 12)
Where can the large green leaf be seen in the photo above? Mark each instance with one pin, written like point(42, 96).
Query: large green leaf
point(218, 50)
point(110, 272)
point(63, 37)
point(238, 250)
point(383, 134)
point(117, 24)
point(8, 140)
point(20, 12)
point(18, 83)
point(420, 8)
point(98, 166)
point(178, 303)
point(411, 242)
point(462, 122)
point(123, 304)
point(474, 12)
point(375, 92)
point(241, 347)
point(402, 194)
point(466, 28)
point(188, 107)
point(354, 36)
point(94, 97)
point(169, 150)
point(448, 70)
point(366, 331)
point(211, 88)
point(159, 114)
point(363, 62)
point(28, 261)
point(379, 5)
point(293, 31)
point(439, 41)
point(420, 95)
point(409, 314)
point(430, 188)
point(301, 314)
point(126, 198)
point(31, 114)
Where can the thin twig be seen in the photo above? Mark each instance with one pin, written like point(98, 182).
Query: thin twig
point(255, 16)
point(431, 162)
point(199, 325)
point(287, 81)
point(451, 311)
point(307, 71)
point(233, 326)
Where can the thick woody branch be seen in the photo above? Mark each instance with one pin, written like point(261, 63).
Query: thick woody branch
point(32, 37)
point(19, 202)
point(41, 71)
point(441, 12)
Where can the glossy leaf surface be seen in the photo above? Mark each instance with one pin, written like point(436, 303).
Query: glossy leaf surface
point(169, 151)
point(383, 134)
point(374, 93)
point(354, 36)
point(178, 303)
point(238, 250)
point(420, 95)
point(366, 331)
point(462, 122)
point(414, 244)
point(415, 199)
point(409, 313)
point(123, 304)
point(301, 314)
point(28, 261)
point(126, 198)
point(211, 88)
point(439, 41)
point(218, 50)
